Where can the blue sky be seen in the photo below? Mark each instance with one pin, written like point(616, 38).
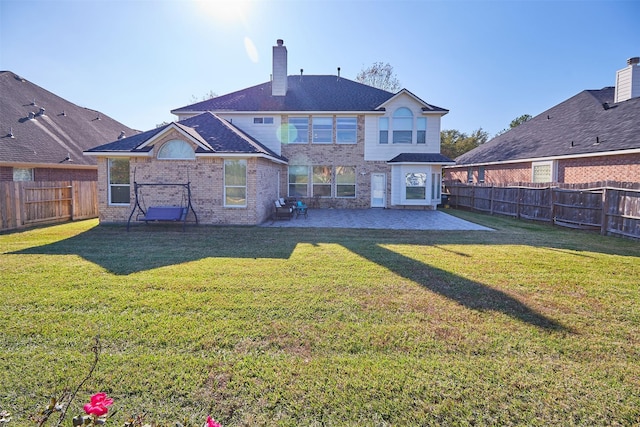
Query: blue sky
point(488, 62)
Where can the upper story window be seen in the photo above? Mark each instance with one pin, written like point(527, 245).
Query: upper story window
point(322, 130)
point(402, 126)
point(263, 120)
point(421, 127)
point(176, 150)
point(383, 128)
point(346, 130)
point(298, 129)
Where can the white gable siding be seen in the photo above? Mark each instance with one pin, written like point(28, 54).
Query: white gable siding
point(267, 134)
point(374, 151)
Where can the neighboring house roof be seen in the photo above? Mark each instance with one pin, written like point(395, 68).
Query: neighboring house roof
point(61, 130)
point(212, 134)
point(589, 123)
point(305, 93)
point(435, 158)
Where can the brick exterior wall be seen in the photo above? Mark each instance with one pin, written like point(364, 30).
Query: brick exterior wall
point(493, 174)
point(207, 188)
point(333, 155)
point(624, 168)
point(53, 174)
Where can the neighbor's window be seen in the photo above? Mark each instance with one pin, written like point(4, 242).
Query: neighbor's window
point(235, 183)
point(263, 120)
point(469, 174)
point(22, 174)
point(298, 129)
point(176, 150)
point(383, 128)
point(480, 173)
point(345, 181)
point(542, 172)
point(415, 185)
point(118, 171)
point(298, 181)
point(322, 130)
point(347, 130)
point(322, 181)
point(421, 125)
point(402, 126)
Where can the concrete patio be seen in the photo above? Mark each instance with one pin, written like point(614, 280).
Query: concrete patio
point(396, 219)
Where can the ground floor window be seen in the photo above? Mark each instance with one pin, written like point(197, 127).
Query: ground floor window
point(298, 181)
point(322, 181)
point(235, 183)
point(416, 186)
point(22, 174)
point(542, 172)
point(436, 185)
point(118, 171)
point(346, 181)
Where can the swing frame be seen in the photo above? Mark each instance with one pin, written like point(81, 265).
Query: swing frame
point(162, 213)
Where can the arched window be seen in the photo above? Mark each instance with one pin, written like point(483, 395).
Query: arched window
point(176, 150)
point(402, 126)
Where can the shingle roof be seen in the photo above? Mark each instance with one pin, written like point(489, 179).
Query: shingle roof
point(216, 135)
point(421, 158)
point(589, 122)
point(64, 128)
point(305, 93)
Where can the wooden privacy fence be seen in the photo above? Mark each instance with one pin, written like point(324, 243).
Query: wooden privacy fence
point(610, 207)
point(27, 203)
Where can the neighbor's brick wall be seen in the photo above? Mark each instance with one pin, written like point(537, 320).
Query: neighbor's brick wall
point(53, 174)
point(625, 168)
point(493, 174)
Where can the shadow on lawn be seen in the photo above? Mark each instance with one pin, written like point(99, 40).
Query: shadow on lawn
point(124, 253)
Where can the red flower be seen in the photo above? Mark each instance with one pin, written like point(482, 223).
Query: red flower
point(99, 404)
point(212, 423)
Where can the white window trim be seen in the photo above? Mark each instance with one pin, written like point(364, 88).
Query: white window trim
point(553, 168)
point(246, 192)
point(109, 184)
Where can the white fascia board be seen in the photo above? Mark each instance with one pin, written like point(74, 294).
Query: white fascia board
point(164, 132)
point(550, 158)
point(118, 154)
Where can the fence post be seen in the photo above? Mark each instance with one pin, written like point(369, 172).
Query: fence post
point(605, 210)
point(491, 199)
point(19, 205)
point(552, 207)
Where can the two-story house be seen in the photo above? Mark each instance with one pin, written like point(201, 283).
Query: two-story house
point(324, 139)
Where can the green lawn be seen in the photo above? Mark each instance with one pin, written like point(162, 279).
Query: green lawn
point(524, 325)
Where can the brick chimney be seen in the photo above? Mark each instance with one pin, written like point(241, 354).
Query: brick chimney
point(628, 81)
point(279, 79)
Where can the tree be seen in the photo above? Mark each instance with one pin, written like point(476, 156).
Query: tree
point(516, 122)
point(381, 76)
point(209, 95)
point(454, 143)
point(519, 120)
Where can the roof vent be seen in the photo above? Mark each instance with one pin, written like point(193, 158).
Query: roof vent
point(33, 102)
point(11, 133)
point(64, 113)
point(605, 105)
point(41, 112)
point(338, 73)
point(121, 135)
point(32, 115)
point(634, 60)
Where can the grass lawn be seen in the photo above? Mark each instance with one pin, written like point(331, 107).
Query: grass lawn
point(524, 325)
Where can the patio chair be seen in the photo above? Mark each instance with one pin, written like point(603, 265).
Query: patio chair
point(283, 211)
point(301, 209)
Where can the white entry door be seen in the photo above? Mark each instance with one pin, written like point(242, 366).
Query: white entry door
point(378, 190)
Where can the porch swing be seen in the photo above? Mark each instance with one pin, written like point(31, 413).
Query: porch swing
point(174, 213)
